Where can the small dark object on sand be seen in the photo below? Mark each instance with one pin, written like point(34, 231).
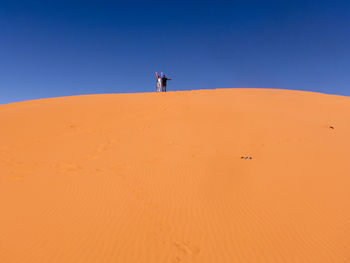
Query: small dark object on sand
point(331, 127)
point(247, 158)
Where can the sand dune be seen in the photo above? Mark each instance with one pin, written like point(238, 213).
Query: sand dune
point(159, 178)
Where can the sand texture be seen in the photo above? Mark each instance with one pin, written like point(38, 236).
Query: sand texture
point(159, 177)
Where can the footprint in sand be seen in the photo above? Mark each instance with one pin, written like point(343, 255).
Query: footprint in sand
point(17, 176)
point(68, 167)
point(186, 250)
point(72, 126)
point(105, 146)
point(93, 156)
point(102, 147)
point(121, 169)
point(246, 158)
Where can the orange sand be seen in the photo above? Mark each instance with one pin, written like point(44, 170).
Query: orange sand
point(159, 178)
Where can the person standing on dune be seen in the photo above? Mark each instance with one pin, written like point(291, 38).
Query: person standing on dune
point(159, 81)
point(164, 83)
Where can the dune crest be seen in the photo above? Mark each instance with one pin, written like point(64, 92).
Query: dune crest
point(237, 175)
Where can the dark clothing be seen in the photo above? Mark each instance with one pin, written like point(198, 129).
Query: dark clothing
point(164, 82)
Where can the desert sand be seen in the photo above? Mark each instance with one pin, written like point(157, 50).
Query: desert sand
point(159, 177)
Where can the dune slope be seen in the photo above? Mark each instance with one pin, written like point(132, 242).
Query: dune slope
point(161, 178)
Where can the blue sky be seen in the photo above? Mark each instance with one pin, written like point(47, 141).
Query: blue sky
point(61, 48)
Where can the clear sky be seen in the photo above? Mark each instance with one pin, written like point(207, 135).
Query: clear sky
point(60, 48)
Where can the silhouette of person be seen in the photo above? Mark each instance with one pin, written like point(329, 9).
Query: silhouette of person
point(164, 83)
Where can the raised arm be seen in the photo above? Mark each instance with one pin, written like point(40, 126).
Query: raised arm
point(156, 74)
point(161, 74)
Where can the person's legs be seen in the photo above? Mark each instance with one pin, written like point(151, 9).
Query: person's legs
point(164, 86)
